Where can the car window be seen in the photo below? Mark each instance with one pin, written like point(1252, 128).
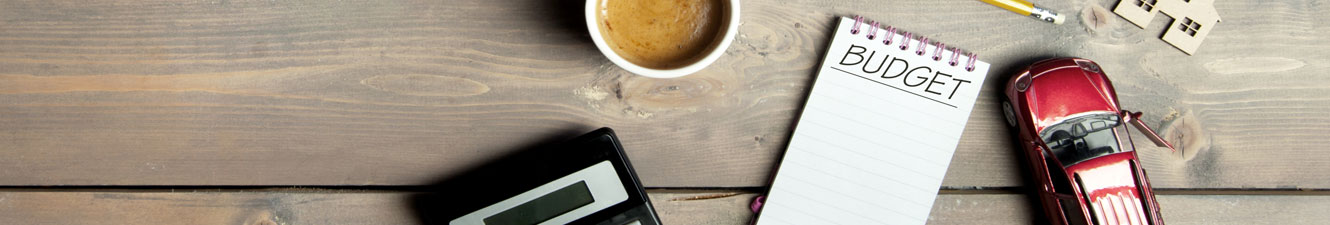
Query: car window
point(1058, 178)
point(1071, 209)
point(1085, 202)
point(1084, 137)
point(1124, 139)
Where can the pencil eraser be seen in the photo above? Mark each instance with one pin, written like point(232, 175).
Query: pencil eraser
point(1058, 19)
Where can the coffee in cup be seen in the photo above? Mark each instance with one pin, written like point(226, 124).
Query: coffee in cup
point(659, 34)
point(662, 38)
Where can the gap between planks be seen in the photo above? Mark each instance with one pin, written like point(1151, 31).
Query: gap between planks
point(702, 191)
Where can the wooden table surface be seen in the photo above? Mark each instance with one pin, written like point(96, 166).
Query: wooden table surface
point(339, 112)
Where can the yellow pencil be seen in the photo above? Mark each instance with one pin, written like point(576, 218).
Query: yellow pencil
point(1028, 9)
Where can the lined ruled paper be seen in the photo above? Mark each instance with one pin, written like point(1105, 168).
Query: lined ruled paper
point(876, 135)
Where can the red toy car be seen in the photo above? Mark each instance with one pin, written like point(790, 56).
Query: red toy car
point(1068, 121)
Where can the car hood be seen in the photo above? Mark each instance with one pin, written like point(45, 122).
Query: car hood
point(1109, 184)
point(1066, 91)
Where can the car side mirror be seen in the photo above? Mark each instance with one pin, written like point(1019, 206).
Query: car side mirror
point(1134, 118)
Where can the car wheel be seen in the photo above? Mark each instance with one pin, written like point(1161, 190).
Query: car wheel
point(1008, 112)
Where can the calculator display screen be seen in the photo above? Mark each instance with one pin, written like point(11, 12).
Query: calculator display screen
point(545, 207)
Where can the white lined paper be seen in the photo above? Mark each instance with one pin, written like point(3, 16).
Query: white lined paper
point(872, 148)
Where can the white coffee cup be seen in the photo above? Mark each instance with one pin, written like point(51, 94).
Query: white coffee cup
point(729, 24)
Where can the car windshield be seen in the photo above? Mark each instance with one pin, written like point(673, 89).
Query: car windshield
point(1083, 137)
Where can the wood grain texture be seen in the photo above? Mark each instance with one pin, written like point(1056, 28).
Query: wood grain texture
point(407, 92)
point(272, 208)
point(323, 207)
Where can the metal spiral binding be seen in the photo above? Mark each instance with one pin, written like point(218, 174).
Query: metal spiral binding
point(873, 27)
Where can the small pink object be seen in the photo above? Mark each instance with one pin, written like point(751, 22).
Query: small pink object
point(923, 42)
point(891, 33)
point(905, 40)
point(970, 66)
point(955, 56)
point(757, 203)
point(872, 30)
point(857, 20)
point(937, 52)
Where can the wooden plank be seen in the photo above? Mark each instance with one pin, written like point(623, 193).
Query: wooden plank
point(248, 208)
point(407, 92)
point(322, 207)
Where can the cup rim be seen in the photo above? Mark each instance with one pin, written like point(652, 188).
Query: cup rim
point(730, 18)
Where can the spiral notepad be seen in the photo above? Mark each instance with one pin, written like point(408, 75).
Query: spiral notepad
point(874, 140)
